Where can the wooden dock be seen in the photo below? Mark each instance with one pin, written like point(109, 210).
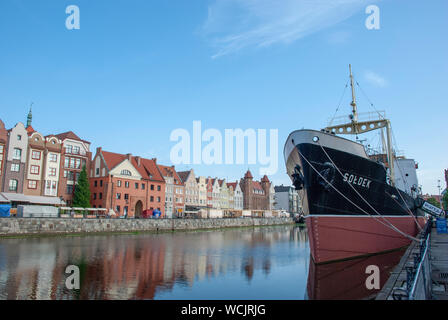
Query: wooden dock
point(439, 266)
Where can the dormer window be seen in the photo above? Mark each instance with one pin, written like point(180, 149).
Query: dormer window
point(126, 173)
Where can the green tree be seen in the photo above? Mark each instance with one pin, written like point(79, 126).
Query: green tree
point(81, 198)
point(434, 202)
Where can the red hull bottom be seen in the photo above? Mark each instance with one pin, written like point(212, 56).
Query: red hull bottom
point(335, 238)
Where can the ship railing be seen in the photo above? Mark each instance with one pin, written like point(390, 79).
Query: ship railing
point(419, 275)
point(362, 117)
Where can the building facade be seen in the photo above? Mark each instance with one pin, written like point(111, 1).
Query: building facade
point(3, 142)
point(174, 194)
point(191, 187)
point(74, 156)
point(126, 184)
point(287, 199)
point(256, 194)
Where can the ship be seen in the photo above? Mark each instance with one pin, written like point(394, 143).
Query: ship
point(357, 202)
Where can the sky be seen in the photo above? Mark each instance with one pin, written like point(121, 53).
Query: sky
point(137, 70)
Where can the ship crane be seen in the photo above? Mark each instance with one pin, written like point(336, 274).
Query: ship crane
point(356, 127)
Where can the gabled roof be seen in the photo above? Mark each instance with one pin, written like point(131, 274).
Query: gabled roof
point(169, 172)
point(248, 175)
point(232, 184)
point(265, 179)
point(184, 175)
point(70, 135)
point(257, 185)
point(148, 169)
point(112, 159)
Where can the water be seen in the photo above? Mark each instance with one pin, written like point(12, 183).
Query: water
point(256, 263)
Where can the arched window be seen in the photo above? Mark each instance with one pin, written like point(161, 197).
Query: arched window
point(126, 173)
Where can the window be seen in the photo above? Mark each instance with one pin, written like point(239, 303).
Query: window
point(77, 163)
point(17, 155)
point(34, 170)
point(143, 186)
point(101, 183)
point(118, 183)
point(68, 149)
point(19, 137)
point(136, 185)
point(126, 196)
point(72, 162)
point(117, 208)
point(118, 196)
point(32, 184)
point(52, 172)
point(76, 149)
point(126, 184)
point(94, 196)
point(158, 199)
point(53, 157)
point(35, 155)
point(97, 171)
point(15, 167)
point(152, 187)
point(152, 199)
point(100, 195)
point(13, 185)
point(66, 162)
point(158, 188)
point(69, 189)
point(77, 175)
point(95, 183)
point(126, 173)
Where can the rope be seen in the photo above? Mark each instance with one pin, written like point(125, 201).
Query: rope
point(387, 224)
point(339, 105)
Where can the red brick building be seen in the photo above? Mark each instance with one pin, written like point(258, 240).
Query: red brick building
point(3, 144)
point(255, 193)
point(126, 184)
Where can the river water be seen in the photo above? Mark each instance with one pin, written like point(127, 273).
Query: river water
point(245, 263)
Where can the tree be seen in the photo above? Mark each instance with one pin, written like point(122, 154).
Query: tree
point(434, 202)
point(81, 198)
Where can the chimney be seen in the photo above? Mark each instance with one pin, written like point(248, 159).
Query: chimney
point(138, 161)
point(129, 156)
point(98, 150)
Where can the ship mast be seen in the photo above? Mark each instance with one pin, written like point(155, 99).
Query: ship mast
point(354, 115)
point(355, 127)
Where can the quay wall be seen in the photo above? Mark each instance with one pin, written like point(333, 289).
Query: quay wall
point(36, 226)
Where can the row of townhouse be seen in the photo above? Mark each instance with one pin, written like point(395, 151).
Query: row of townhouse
point(40, 169)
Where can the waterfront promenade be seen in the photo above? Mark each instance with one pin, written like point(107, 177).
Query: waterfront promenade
point(396, 286)
point(51, 226)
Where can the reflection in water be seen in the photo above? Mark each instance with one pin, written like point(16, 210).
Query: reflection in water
point(346, 280)
point(260, 263)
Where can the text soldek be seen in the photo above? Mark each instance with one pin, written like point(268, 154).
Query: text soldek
point(358, 181)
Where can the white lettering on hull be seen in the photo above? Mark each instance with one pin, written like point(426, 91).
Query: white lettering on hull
point(357, 180)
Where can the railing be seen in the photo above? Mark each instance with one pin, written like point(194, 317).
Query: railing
point(419, 281)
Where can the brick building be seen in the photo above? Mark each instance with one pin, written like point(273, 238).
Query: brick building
point(256, 194)
point(126, 184)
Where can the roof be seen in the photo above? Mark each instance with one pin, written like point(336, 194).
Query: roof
point(257, 185)
point(19, 197)
point(147, 168)
point(169, 172)
point(265, 179)
point(112, 159)
point(248, 175)
point(282, 188)
point(30, 130)
point(70, 135)
point(184, 175)
point(232, 184)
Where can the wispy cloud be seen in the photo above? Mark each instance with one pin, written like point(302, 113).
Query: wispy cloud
point(232, 25)
point(375, 79)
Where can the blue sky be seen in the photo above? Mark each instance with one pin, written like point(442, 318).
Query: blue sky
point(138, 69)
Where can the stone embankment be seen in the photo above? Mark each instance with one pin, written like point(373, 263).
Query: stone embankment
point(47, 226)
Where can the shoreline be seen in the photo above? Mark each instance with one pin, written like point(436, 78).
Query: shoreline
point(16, 228)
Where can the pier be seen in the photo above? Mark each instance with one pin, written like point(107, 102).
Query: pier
point(422, 273)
